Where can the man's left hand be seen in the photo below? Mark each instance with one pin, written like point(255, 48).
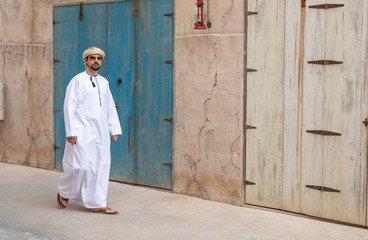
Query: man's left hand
point(114, 138)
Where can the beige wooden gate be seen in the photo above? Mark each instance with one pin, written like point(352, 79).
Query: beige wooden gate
point(306, 143)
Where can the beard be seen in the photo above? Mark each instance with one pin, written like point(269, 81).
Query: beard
point(95, 67)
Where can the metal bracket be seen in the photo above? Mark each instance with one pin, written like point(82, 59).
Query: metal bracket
point(322, 188)
point(168, 62)
point(56, 147)
point(55, 22)
point(250, 127)
point(251, 70)
point(326, 6)
point(169, 15)
point(324, 133)
point(56, 61)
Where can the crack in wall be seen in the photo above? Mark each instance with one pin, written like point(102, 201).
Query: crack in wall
point(212, 68)
point(234, 147)
point(200, 191)
point(228, 12)
point(4, 61)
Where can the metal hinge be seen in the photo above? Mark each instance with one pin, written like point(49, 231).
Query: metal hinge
point(326, 6)
point(365, 122)
point(169, 15)
point(324, 132)
point(55, 22)
point(250, 127)
point(56, 110)
point(322, 188)
point(251, 70)
point(251, 13)
point(168, 164)
point(325, 62)
point(168, 119)
point(249, 183)
point(56, 147)
point(168, 62)
point(56, 61)
point(81, 11)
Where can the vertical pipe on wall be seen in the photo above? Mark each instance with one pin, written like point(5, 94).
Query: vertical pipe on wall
point(245, 92)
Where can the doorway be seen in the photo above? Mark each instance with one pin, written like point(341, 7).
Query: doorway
point(137, 37)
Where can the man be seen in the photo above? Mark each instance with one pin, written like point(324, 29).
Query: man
point(90, 121)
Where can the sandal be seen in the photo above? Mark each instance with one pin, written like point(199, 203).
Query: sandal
point(106, 210)
point(59, 198)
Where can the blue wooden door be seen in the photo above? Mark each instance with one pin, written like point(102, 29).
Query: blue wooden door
point(140, 81)
point(121, 77)
point(154, 93)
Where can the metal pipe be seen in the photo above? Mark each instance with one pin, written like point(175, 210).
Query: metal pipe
point(245, 45)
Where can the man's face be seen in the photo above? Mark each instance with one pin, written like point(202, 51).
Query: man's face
point(94, 62)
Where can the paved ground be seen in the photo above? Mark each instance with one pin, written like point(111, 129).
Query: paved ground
point(29, 210)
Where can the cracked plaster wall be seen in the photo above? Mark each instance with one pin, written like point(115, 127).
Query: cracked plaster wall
point(208, 139)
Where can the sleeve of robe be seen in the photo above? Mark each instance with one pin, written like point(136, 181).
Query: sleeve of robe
point(70, 105)
point(114, 124)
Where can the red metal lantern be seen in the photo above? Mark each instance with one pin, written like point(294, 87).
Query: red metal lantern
point(199, 24)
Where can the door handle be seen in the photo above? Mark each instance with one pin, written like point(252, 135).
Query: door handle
point(118, 82)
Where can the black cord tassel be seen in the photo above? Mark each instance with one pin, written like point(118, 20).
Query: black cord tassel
point(93, 84)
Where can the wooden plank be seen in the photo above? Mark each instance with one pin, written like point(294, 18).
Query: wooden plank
point(345, 163)
point(334, 172)
point(312, 86)
point(294, 13)
point(265, 103)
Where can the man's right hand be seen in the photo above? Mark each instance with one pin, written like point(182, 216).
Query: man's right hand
point(72, 140)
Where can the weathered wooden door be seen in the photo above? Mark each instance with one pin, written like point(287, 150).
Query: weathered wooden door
point(308, 152)
point(140, 82)
point(153, 95)
point(334, 138)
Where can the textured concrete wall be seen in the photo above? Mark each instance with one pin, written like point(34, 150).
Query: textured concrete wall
point(208, 152)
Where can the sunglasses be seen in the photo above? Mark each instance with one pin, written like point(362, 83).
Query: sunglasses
point(94, 58)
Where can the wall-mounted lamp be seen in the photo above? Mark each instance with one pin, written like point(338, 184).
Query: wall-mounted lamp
point(199, 24)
